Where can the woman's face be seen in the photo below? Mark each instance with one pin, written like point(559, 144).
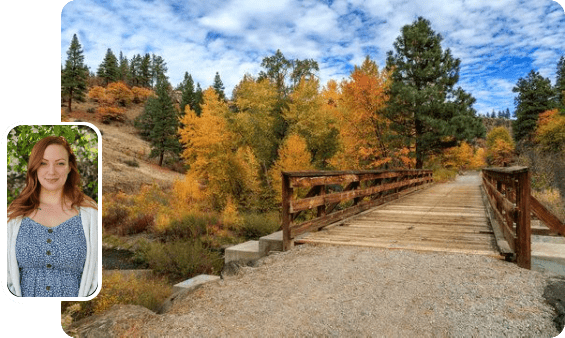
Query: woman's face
point(54, 168)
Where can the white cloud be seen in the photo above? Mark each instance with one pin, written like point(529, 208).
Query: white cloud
point(480, 33)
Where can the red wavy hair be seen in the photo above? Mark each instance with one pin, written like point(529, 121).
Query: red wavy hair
point(28, 199)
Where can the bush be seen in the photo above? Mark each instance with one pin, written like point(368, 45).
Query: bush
point(258, 225)
point(132, 163)
point(140, 95)
point(118, 288)
point(108, 114)
point(120, 93)
point(190, 226)
point(182, 259)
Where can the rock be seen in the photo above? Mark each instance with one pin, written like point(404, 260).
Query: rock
point(554, 294)
point(119, 320)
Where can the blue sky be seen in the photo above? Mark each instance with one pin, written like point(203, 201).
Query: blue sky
point(497, 41)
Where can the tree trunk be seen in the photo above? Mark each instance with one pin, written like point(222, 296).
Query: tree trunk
point(70, 100)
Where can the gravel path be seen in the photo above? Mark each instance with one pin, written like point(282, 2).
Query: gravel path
point(335, 291)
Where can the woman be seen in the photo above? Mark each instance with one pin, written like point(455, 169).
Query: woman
point(52, 228)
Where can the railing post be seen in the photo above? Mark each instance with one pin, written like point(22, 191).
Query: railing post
point(523, 230)
point(286, 217)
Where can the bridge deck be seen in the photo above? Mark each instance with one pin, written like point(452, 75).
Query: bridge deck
point(446, 217)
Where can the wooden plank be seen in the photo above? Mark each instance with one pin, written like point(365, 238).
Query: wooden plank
point(523, 231)
point(550, 220)
point(313, 202)
point(286, 216)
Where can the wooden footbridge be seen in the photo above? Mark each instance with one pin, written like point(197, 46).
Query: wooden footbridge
point(403, 209)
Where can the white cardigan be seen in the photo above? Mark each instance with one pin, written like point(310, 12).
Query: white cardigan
point(89, 279)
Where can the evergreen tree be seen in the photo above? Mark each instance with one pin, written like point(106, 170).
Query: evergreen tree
point(560, 83)
point(424, 106)
point(124, 74)
point(219, 87)
point(199, 97)
point(145, 73)
point(535, 96)
point(188, 93)
point(135, 70)
point(158, 68)
point(108, 69)
point(74, 74)
point(159, 122)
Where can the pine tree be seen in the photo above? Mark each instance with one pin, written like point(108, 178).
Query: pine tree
point(188, 93)
point(124, 74)
point(158, 68)
point(429, 112)
point(135, 70)
point(108, 69)
point(560, 83)
point(535, 96)
point(219, 87)
point(199, 98)
point(145, 73)
point(74, 74)
point(159, 122)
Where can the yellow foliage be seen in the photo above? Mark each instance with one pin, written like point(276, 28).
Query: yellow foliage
point(230, 216)
point(293, 156)
point(500, 147)
point(120, 93)
point(212, 153)
point(363, 128)
point(550, 131)
point(141, 94)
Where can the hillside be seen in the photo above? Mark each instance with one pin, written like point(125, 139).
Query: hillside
point(122, 148)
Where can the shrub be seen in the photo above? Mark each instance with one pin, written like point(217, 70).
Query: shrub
point(97, 93)
point(132, 163)
point(118, 288)
point(120, 93)
point(258, 225)
point(108, 114)
point(182, 259)
point(141, 95)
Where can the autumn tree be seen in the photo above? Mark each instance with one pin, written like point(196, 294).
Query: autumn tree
point(550, 131)
point(364, 130)
point(306, 117)
point(425, 107)
point(159, 122)
point(500, 147)
point(74, 74)
point(534, 96)
point(255, 122)
point(293, 156)
point(210, 149)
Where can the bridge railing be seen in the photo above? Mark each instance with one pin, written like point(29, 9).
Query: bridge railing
point(312, 200)
point(508, 191)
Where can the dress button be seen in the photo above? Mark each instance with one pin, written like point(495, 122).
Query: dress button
point(50, 230)
point(48, 240)
point(48, 253)
point(49, 266)
point(47, 288)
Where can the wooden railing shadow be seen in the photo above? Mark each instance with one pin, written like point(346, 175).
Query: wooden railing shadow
point(314, 199)
point(510, 207)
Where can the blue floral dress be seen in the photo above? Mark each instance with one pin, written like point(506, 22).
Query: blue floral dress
point(51, 259)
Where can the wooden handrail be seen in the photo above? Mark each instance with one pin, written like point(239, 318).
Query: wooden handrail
point(329, 198)
point(508, 192)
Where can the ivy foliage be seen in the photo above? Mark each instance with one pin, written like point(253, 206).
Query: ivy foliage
point(83, 141)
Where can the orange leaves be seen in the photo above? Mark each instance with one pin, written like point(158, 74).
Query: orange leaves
point(500, 147)
point(463, 157)
point(364, 130)
point(141, 94)
point(550, 131)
